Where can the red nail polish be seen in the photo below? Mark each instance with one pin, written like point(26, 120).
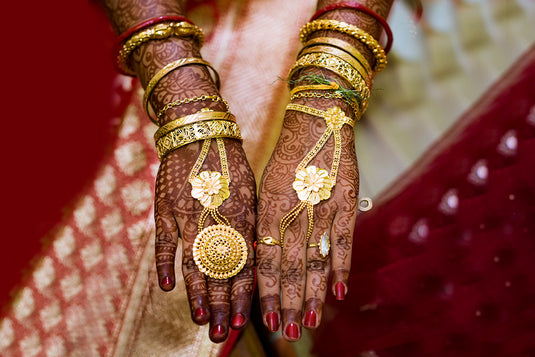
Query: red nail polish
point(292, 331)
point(218, 330)
point(199, 313)
point(310, 318)
point(166, 282)
point(272, 319)
point(238, 320)
point(340, 291)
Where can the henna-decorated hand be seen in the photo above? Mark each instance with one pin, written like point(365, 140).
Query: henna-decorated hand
point(295, 276)
point(221, 302)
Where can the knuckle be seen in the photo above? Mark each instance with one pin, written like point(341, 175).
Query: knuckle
point(317, 265)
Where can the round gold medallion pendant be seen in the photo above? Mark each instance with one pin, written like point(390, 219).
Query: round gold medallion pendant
point(220, 251)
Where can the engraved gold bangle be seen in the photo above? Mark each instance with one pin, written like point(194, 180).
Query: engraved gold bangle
point(159, 31)
point(168, 69)
point(338, 66)
point(176, 103)
point(342, 55)
point(192, 118)
point(194, 132)
point(351, 30)
point(343, 45)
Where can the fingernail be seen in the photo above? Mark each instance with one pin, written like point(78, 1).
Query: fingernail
point(272, 320)
point(340, 291)
point(310, 318)
point(218, 331)
point(199, 313)
point(292, 331)
point(166, 282)
point(238, 320)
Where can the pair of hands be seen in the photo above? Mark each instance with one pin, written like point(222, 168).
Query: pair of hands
point(292, 281)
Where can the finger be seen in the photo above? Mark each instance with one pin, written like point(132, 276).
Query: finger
point(341, 245)
point(293, 277)
point(194, 279)
point(318, 265)
point(166, 243)
point(242, 290)
point(219, 297)
point(268, 263)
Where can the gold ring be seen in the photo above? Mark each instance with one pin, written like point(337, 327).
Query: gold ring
point(324, 245)
point(269, 241)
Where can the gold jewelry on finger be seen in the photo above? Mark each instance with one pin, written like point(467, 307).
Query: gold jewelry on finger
point(269, 241)
point(202, 115)
point(194, 132)
point(168, 69)
point(324, 245)
point(219, 250)
point(313, 184)
point(159, 31)
point(343, 45)
point(351, 30)
point(352, 61)
point(176, 103)
point(338, 66)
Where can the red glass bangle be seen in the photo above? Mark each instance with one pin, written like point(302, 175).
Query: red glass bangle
point(132, 30)
point(366, 10)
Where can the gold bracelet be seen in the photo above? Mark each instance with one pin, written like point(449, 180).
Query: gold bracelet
point(343, 45)
point(157, 32)
point(335, 95)
point(354, 31)
point(338, 66)
point(343, 56)
point(168, 69)
point(313, 184)
point(176, 103)
point(219, 251)
point(201, 115)
point(194, 132)
point(331, 86)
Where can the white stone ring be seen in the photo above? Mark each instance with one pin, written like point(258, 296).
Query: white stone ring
point(324, 245)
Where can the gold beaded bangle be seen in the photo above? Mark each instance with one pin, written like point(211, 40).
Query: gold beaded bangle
point(344, 56)
point(338, 66)
point(159, 31)
point(344, 46)
point(354, 31)
point(176, 103)
point(194, 132)
point(168, 69)
point(193, 118)
point(335, 95)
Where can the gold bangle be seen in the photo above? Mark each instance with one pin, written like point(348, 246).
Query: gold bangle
point(192, 118)
point(331, 86)
point(343, 45)
point(354, 31)
point(342, 55)
point(168, 69)
point(176, 103)
point(338, 66)
point(336, 95)
point(159, 31)
point(194, 132)
point(341, 119)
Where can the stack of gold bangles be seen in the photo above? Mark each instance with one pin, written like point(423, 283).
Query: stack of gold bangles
point(314, 184)
point(219, 250)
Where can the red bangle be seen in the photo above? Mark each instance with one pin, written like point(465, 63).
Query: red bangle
point(132, 30)
point(359, 7)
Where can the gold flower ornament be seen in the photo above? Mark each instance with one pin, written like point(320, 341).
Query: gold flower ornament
point(210, 188)
point(312, 185)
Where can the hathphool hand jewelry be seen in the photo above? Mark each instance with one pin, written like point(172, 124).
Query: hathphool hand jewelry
point(351, 30)
point(219, 250)
point(168, 69)
point(313, 184)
